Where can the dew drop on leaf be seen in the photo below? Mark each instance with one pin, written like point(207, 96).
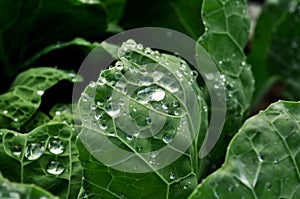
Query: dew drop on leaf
point(129, 137)
point(33, 151)
point(55, 168)
point(172, 176)
point(148, 120)
point(5, 111)
point(56, 147)
point(17, 150)
point(167, 138)
point(40, 92)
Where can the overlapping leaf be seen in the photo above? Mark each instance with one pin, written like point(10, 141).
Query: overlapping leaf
point(262, 160)
point(149, 107)
point(226, 32)
point(17, 190)
point(23, 99)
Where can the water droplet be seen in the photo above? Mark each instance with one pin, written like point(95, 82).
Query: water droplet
point(148, 120)
point(172, 175)
point(101, 81)
point(16, 119)
point(100, 103)
point(136, 134)
point(129, 137)
point(152, 94)
point(183, 66)
point(56, 147)
point(5, 111)
point(92, 84)
point(55, 168)
point(167, 138)
point(209, 76)
point(131, 43)
point(17, 150)
point(261, 157)
point(57, 112)
point(40, 92)
point(119, 65)
point(268, 186)
point(84, 97)
point(93, 107)
point(276, 161)
point(165, 106)
point(243, 63)
point(148, 51)
point(103, 126)
point(220, 62)
point(33, 151)
point(175, 104)
point(179, 75)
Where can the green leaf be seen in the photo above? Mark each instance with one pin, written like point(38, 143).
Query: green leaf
point(142, 125)
point(46, 156)
point(16, 190)
point(19, 104)
point(29, 26)
point(38, 119)
point(181, 15)
point(114, 9)
point(226, 32)
point(284, 54)
point(262, 160)
point(273, 13)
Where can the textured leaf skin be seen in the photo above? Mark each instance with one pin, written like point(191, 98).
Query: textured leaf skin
point(29, 26)
point(20, 168)
point(16, 190)
point(226, 32)
point(105, 182)
point(262, 160)
point(24, 98)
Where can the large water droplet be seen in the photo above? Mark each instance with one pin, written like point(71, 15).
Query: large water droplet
point(151, 94)
point(55, 168)
point(33, 151)
point(56, 147)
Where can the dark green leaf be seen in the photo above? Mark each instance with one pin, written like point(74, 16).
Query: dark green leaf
point(262, 160)
point(272, 13)
point(144, 108)
point(29, 26)
point(284, 55)
point(180, 15)
point(10, 190)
